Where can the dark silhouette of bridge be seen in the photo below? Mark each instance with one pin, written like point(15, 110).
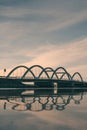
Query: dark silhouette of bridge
point(42, 80)
point(36, 88)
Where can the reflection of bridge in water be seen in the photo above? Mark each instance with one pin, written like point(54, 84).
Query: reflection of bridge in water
point(39, 102)
point(36, 77)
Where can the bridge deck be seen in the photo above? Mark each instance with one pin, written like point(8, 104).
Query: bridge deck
point(13, 82)
point(41, 86)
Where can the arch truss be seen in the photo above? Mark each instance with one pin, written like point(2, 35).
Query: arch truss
point(48, 73)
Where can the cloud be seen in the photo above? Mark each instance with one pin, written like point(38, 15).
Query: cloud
point(45, 17)
point(43, 33)
point(34, 24)
point(71, 56)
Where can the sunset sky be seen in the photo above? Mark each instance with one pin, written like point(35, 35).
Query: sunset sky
point(45, 32)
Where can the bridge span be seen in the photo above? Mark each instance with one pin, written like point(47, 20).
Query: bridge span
point(41, 79)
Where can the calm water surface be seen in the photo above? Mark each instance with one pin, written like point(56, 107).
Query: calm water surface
point(63, 112)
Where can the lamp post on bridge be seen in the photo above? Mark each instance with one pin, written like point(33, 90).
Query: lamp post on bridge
point(4, 71)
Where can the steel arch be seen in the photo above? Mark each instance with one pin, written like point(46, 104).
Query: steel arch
point(63, 70)
point(45, 69)
point(69, 76)
point(77, 73)
point(29, 69)
point(21, 66)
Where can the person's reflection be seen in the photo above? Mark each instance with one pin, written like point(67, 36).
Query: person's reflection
point(28, 106)
point(5, 105)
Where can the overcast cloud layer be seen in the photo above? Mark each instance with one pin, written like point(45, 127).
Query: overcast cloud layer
point(49, 33)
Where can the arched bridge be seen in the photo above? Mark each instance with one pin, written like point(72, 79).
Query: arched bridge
point(38, 72)
point(40, 79)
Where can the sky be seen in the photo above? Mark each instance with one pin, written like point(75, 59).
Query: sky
point(45, 32)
